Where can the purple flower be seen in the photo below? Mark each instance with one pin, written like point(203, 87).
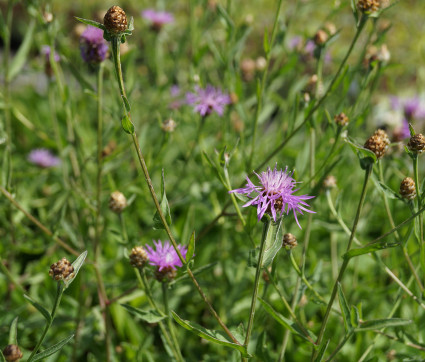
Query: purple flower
point(43, 158)
point(208, 100)
point(165, 256)
point(413, 109)
point(92, 45)
point(157, 18)
point(45, 50)
point(275, 194)
point(295, 42)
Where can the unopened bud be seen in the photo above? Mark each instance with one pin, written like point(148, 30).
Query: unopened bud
point(117, 202)
point(138, 257)
point(115, 20)
point(408, 188)
point(61, 270)
point(12, 353)
point(289, 241)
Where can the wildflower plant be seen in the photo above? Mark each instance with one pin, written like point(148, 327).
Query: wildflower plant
point(194, 122)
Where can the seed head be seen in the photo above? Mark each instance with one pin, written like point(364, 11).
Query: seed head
point(407, 188)
point(61, 270)
point(341, 119)
point(368, 6)
point(165, 275)
point(12, 353)
point(289, 241)
point(138, 257)
point(117, 202)
point(416, 143)
point(115, 20)
point(329, 182)
point(381, 133)
point(377, 145)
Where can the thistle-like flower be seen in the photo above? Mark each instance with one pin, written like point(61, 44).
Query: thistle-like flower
point(115, 20)
point(43, 158)
point(275, 194)
point(408, 188)
point(157, 18)
point(208, 100)
point(289, 241)
point(138, 257)
point(416, 143)
point(92, 45)
point(117, 202)
point(61, 270)
point(164, 256)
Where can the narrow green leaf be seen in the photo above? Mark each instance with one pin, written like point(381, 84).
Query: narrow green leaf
point(355, 316)
point(288, 324)
point(382, 323)
point(322, 350)
point(52, 350)
point(150, 316)
point(191, 247)
point(127, 126)
point(91, 22)
point(344, 309)
point(2, 359)
point(253, 257)
point(388, 191)
point(40, 308)
point(22, 53)
point(13, 332)
point(165, 208)
point(273, 243)
point(361, 151)
point(266, 44)
point(77, 264)
point(369, 249)
point(354, 10)
point(126, 103)
point(225, 15)
point(217, 337)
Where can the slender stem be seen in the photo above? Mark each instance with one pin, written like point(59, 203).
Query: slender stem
point(321, 100)
point(344, 265)
point(56, 303)
point(263, 84)
point(340, 345)
point(118, 72)
point(99, 160)
point(10, 276)
point(123, 227)
point(266, 232)
point(170, 321)
point(38, 223)
point(147, 289)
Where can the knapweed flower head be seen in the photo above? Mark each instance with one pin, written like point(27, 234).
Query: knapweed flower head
point(92, 45)
point(157, 18)
point(43, 158)
point(164, 256)
point(275, 194)
point(208, 100)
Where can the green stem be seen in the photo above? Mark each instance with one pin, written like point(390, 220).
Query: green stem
point(56, 303)
point(118, 72)
point(170, 321)
point(338, 348)
point(344, 265)
point(144, 281)
point(263, 84)
point(321, 100)
point(123, 227)
point(266, 235)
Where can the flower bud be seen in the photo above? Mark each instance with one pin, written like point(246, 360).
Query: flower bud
point(416, 143)
point(329, 182)
point(138, 257)
point(381, 133)
point(368, 6)
point(169, 125)
point(115, 20)
point(341, 119)
point(377, 145)
point(61, 270)
point(321, 37)
point(117, 202)
point(289, 241)
point(408, 188)
point(12, 353)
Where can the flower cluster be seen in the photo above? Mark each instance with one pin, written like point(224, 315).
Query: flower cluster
point(43, 158)
point(164, 256)
point(275, 194)
point(92, 45)
point(208, 100)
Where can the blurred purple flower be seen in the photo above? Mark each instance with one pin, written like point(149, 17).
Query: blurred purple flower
point(92, 45)
point(295, 42)
point(275, 194)
point(43, 158)
point(45, 50)
point(207, 100)
point(175, 90)
point(164, 256)
point(412, 107)
point(157, 18)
